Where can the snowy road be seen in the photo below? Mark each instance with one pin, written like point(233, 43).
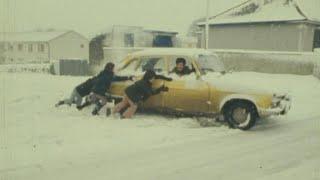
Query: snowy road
point(39, 141)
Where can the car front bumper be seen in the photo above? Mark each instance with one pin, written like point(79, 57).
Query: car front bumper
point(282, 107)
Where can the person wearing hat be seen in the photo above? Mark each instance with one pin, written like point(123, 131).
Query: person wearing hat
point(138, 92)
point(181, 68)
point(103, 83)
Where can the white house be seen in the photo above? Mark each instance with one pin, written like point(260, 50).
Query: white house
point(116, 42)
point(42, 47)
point(273, 25)
point(137, 36)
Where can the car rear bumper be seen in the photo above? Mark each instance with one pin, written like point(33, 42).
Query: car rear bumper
point(282, 108)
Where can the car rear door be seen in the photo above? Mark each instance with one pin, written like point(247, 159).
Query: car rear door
point(158, 64)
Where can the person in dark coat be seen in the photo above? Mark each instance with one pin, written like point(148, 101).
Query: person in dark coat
point(138, 92)
point(181, 68)
point(102, 84)
point(78, 93)
point(85, 88)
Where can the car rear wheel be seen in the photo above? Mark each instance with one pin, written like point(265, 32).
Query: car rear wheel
point(241, 115)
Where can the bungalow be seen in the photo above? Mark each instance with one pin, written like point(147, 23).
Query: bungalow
point(272, 25)
point(42, 47)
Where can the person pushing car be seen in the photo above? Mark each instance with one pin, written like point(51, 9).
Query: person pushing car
point(138, 92)
point(85, 88)
point(102, 85)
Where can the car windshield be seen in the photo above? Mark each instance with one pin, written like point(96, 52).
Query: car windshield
point(210, 63)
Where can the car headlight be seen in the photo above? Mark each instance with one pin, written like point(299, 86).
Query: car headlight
point(279, 95)
point(276, 99)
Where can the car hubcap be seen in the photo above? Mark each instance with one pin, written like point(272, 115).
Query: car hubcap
point(241, 116)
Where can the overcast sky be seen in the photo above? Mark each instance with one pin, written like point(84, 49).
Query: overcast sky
point(92, 16)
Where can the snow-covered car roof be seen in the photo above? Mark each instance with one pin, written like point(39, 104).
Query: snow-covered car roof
point(172, 52)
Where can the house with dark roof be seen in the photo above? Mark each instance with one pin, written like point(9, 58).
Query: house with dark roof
point(42, 46)
point(272, 25)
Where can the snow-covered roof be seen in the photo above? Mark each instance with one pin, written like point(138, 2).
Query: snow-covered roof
point(311, 8)
point(31, 36)
point(160, 31)
point(148, 28)
point(256, 11)
point(171, 52)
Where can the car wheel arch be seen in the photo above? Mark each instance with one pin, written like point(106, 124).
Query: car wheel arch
point(236, 98)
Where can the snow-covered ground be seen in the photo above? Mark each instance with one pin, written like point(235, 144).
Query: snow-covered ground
point(39, 141)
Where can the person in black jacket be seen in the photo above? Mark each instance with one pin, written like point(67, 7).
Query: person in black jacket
point(139, 91)
point(181, 68)
point(85, 88)
point(101, 86)
point(78, 93)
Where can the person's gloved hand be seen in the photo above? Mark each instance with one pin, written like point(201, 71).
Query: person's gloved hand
point(164, 88)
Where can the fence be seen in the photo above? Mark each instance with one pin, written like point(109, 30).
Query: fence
point(33, 68)
point(242, 60)
point(269, 62)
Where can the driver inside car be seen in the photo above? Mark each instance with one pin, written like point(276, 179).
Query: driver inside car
point(181, 68)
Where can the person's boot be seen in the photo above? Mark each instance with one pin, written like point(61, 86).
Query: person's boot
point(85, 104)
point(59, 103)
point(97, 109)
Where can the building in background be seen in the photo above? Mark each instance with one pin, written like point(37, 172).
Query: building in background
point(136, 36)
point(42, 47)
point(120, 40)
point(272, 25)
point(187, 42)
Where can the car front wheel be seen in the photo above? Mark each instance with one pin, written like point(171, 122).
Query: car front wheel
point(241, 115)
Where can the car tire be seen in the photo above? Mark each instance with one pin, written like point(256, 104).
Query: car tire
point(241, 115)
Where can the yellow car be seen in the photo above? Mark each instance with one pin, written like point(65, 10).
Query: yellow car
point(203, 92)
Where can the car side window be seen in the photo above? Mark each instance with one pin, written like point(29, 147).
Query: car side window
point(172, 62)
point(130, 67)
point(152, 63)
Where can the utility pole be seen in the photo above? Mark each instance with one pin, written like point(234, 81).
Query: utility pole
point(207, 24)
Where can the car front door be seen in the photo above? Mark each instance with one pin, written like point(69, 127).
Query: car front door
point(187, 93)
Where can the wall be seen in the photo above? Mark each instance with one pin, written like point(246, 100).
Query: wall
point(18, 68)
point(316, 71)
point(186, 42)
point(2, 52)
point(241, 60)
point(24, 55)
point(272, 37)
point(142, 38)
point(118, 32)
point(307, 36)
point(269, 62)
point(68, 46)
